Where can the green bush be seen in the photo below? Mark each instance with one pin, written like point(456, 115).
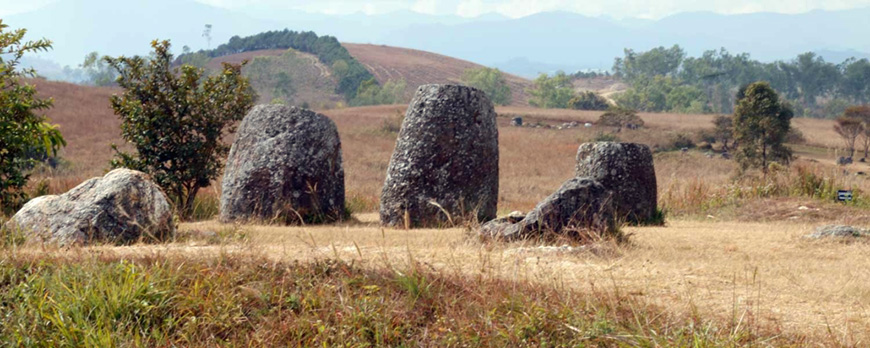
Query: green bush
point(370, 93)
point(620, 117)
point(175, 119)
point(552, 92)
point(24, 133)
point(490, 81)
point(681, 141)
point(589, 100)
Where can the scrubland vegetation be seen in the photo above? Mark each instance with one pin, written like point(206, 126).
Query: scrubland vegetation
point(729, 268)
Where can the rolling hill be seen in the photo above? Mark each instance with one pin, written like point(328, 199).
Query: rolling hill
point(310, 81)
point(384, 62)
point(420, 67)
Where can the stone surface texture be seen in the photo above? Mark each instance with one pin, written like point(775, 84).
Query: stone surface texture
point(445, 161)
point(122, 207)
point(579, 205)
point(285, 166)
point(627, 169)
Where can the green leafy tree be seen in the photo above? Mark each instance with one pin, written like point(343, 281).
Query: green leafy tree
point(856, 80)
point(197, 59)
point(371, 93)
point(589, 100)
point(98, 72)
point(658, 61)
point(23, 131)
point(552, 92)
point(175, 118)
point(284, 87)
point(490, 81)
point(813, 76)
point(761, 124)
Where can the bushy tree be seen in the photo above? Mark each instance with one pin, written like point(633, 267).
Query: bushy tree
point(761, 124)
point(98, 72)
point(371, 93)
point(552, 92)
point(175, 118)
point(198, 59)
point(490, 81)
point(620, 117)
point(723, 130)
point(588, 100)
point(849, 129)
point(861, 112)
point(659, 61)
point(23, 131)
point(856, 80)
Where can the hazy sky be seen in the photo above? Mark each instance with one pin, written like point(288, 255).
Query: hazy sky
point(513, 8)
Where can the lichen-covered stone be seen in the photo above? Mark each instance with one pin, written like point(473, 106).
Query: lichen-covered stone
point(445, 161)
point(580, 204)
point(839, 231)
point(285, 166)
point(627, 169)
point(121, 207)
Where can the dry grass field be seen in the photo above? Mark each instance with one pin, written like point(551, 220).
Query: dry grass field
point(421, 67)
point(759, 274)
point(732, 254)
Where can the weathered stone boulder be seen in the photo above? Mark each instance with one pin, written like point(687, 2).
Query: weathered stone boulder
point(579, 205)
point(841, 231)
point(627, 169)
point(122, 207)
point(285, 166)
point(445, 161)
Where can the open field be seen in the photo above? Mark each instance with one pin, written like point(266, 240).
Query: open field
point(761, 279)
point(764, 274)
point(421, 67)
point(732, 256)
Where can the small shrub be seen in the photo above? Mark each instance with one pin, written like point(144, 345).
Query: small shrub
point(588, 101)
point(620, 117)
point(682, 141)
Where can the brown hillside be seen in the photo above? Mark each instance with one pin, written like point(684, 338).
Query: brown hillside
point(86, 121)
point(420, 68)
point(313, 81)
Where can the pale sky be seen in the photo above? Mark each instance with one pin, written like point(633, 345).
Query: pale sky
point(513, 8)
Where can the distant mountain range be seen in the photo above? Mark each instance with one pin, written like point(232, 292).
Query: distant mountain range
point(543, 42)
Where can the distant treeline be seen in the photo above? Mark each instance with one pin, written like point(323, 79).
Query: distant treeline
point(328, 50)
point(664, 79)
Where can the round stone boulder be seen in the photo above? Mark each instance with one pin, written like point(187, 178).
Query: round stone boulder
point(626, 169)
point(284, 167)
point(580, 208)
point(122, 207)
point(445, 166)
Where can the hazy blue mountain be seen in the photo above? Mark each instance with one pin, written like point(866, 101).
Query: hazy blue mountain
point(537, 43)
point(127, 27)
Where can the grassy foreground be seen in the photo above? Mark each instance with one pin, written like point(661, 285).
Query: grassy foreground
point(93, 300)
